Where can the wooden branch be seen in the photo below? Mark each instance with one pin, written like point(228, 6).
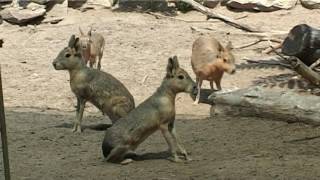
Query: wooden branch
point(223, 18)
point(302, 69)
point(258, 41)
point(270, 62)
point(158, 16)
point(305, 71)
point(271, 34)
point(315, 64)
point(269, 49)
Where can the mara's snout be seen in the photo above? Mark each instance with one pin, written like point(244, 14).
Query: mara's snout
point(232, 71)
point(194, 90)
point(56, 65)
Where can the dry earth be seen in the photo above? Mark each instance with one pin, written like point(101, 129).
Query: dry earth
point(38, 101)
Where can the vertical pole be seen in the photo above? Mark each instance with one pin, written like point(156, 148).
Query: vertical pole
point(4, 134)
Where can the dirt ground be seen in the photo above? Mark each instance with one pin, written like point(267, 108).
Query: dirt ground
point(39, 102)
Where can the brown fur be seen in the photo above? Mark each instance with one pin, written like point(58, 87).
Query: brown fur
point(210, 60)
point(92, 46)
point(155, 113)
point(101, 89)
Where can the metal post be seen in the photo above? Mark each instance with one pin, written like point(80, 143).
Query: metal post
point(4, 135)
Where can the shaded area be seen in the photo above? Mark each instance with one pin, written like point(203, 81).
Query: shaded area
point(220, 147)
point(288, 80)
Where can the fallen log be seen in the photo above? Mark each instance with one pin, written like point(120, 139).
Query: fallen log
point(275, 105)
point(305, 71)
point(302, 69)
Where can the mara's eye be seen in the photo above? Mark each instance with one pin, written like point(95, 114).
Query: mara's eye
point(181, 77)
point(224, 60)
point(67, 55)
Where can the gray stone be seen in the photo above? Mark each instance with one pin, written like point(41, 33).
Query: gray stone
point(311, 4)
point(211, 3)
point(261, 5)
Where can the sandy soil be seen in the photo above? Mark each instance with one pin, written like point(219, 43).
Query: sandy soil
point(39, 102)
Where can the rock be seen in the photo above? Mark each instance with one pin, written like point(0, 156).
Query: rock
point(76, 3)
point(42, 2)
point(20, 16)
point(96, 4)
point(33, 6)
point(57, 12)
point(103, 3)
point(156, 5)
point(261, 5)
point(211, 3)
point(311, 4)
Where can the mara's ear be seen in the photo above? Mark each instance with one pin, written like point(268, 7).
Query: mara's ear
point(229, 46)
point(72, 41)
point(90, 32)
point(81, 32)
point(76, 44)
point(172, 66)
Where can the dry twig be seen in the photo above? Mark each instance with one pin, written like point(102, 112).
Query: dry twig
point(258, 41)
point(221, 17)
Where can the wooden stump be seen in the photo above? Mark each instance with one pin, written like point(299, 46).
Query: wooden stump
point(303, 42)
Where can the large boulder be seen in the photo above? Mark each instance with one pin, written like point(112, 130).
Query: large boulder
point(21, 16)
point(311, 4)
point(261, 5)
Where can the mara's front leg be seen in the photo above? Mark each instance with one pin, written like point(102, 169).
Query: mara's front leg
point(181, 149)
point(117, 155)
point(79, 114)
point(166, 134)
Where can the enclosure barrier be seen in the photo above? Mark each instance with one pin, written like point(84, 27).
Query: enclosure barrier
point(4, 135)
